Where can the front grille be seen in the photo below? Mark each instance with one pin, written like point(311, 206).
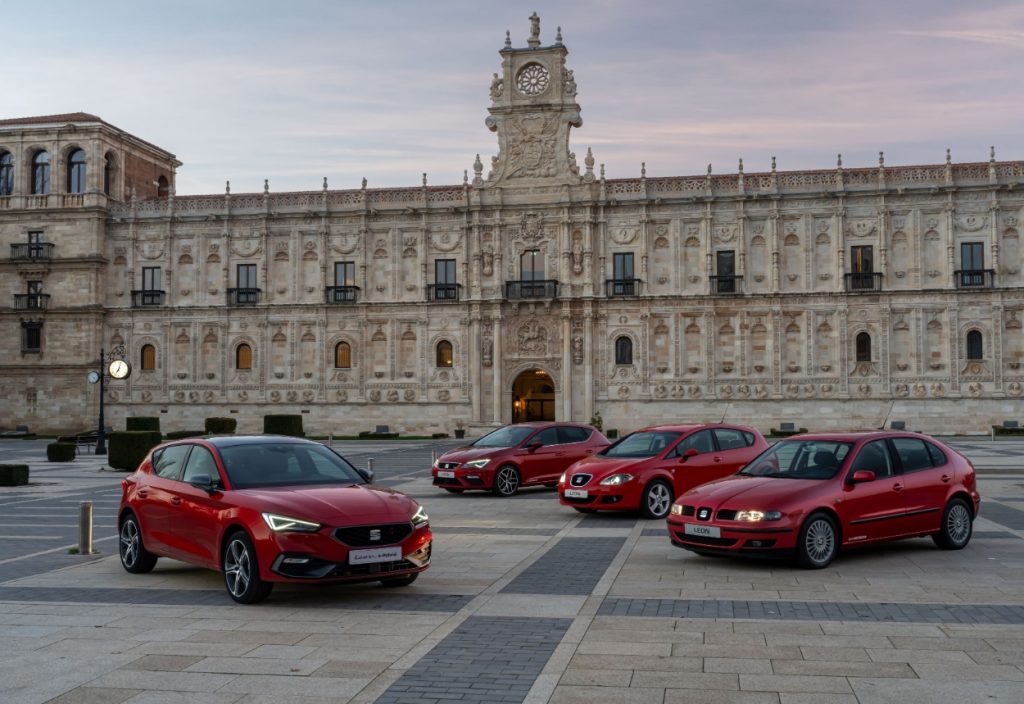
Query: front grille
point(705, 540)
point(372, 569)
point(446, 481)
point(726, 514)
point(572, 500)
point(688, 510)
point(362, 536)
point(580, 479)
point(447, 465)
point(704, 513)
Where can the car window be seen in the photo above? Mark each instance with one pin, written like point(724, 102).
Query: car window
point(548, 436)
point(200, 462)
point(642, 444)
point(874, 457)
point(570, 434)
point(509, 436)
point(799, 459)
point(701, 441)
point(749, 437)
point(255, 465)
point(729, 439)
point(913, 454)
point(938, 456)
point(169, 463)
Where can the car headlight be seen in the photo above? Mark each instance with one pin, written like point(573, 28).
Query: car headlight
point(287, 524)
point(476, 464)
point(561, 479)
point(419, 518)
point(677, 509)
point(616, 479)
point(755, 516)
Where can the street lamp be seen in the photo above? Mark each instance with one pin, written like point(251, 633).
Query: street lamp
point(118, 369)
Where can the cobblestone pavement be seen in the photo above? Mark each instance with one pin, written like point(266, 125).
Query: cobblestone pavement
point(526, 601)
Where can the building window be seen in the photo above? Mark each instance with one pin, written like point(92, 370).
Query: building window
point(151, 278)
point(41, 174)
point(531, 265)
point(243, 357)
point(863, 347)
point(343, 356)
point(862, 259)
point(35, 244)
point(76, 171)
point(623, 266)
point(163, 188)
point(445, 286)
point(6, 174)
point(623, 350)
point(972, 256)
point(444, 354)
point(975, 347)
point(108, 173)
point(725, 271)
point(31, 336)
point(148, 357)
point(344, 273)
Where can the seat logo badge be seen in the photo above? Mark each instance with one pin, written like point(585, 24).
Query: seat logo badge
point(704, 514)
point(375, 534)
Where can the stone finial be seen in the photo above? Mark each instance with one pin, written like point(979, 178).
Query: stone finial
point(325, 183)
point(839, 161)
point(949, 157)
point(773, 164)
point(558, 37)
point(602, 172)
point(741, 165)
point(881, 159)
point(227, 188)
point(424, 179)
point(478, 167)
point(465, 177)
point(709, 169)
point(992, 154)
point(534, 41)
point(643, 169)
point(588, 161)
point(364, 183)
point(266, 186)
point(508, 39)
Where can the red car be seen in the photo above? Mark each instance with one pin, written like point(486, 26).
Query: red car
point(647, 469)
point(524, 454)
point(812, 494)
point(268, 509)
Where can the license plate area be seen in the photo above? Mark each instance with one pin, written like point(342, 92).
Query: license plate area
point(374, 555)
point(576, 493)
point(702, 531)
point(445, 474)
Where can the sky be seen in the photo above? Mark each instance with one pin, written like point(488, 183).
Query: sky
point(247, 90)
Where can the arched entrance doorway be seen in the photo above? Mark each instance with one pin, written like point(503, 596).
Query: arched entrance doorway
point(533, 397)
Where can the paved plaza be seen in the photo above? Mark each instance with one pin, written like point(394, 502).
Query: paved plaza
point(526, 601)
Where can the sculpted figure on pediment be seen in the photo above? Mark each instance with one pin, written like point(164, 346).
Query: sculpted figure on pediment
point(532, 141)
point(533, 338)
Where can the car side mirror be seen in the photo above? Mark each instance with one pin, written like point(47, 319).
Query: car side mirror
point(203, 481)
point(688, 454)
point(861, 476)
point(367, 475)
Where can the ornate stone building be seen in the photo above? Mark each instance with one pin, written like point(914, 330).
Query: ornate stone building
point(843, 297)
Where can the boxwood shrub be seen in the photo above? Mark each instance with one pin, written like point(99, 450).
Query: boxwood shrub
point(775, 433)
point(221, 426)
point(283, 425)
point(60, 451)
point(126, 449)
point(179, 434)
point(1000, 430)
point(13, 474)
point(142, 423)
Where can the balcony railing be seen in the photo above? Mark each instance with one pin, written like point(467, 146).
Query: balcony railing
point(726, 285)
point(622, 287)
point(244, 296)
point(32, 250)
point(31, 301)
point(974, 278)
point(443, 292)
point(341, 294)
point(864, 281)
point(141, 299)
point(539, 288)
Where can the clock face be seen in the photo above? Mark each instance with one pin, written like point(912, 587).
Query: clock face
point(93, 377)
point(532, 79)
point(119, 369)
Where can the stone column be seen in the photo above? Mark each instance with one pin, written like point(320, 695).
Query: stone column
point(497, 364)
point(588, 362)
point(566, 362)
point(475, 366)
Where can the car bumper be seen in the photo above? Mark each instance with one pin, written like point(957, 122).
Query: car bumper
point(464, 478)
point(733, 539)
point(623, 497)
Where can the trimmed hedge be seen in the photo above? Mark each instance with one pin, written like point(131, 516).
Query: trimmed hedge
point(142, 423)
point(370, 435)
point(13, 474)
point(61, 451)
point(1000, 430)
point(126, 449)
point(221, 426)
point(179, 434)
point(438, 436)
point(283, 425)
point(785, 433)
point(612, 434)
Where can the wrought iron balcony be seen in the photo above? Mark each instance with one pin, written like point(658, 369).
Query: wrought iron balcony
point(32, 250)
point(622, 287)
point(864, 281)
point(341, 294)
point(150, 297)
point(244, 296)
point(538, 288)
point(443, 292)
point(974, 278)
point(722, 285)
point(31, 301)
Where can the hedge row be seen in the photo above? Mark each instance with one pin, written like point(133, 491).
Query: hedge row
point(126, 449)
point(179, 434)
point(283, 425)
point(142, 423)
point(221, 426)
point(60, 451)
point(13, 474)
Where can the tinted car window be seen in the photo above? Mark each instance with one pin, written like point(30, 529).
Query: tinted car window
point(569, 434)
point(749, 437)
point(252, 465)
point(874, 457)
point(800, 459)
point(912, 453)
point(168, 465)
point(548, 436)
point(643, 444)
point(200, 462)
point(700, 441)
point(509, 436)
point(937, 455)
point(729, 439)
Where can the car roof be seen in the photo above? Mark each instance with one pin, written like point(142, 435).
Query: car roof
point(687, 427)
point(231, 440)
point(550, 424)
point(855, 435)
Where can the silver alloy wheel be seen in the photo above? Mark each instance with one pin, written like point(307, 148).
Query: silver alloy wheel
point(236, 568)
point(507, 481)
point(958, 523)
point(820, 541)
point(658, 500)
point(129, 543)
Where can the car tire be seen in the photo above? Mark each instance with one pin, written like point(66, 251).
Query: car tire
point(656, 500)
point(242, 572)
point(818, 542)
point(585, 510)
point(957, 526)
point(134, 556)
point(506, 481)
point(404, 581)
point(453, 491)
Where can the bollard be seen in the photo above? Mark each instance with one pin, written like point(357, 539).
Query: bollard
point(85, 528)
point(330, 440)
point(369, 464)
point(433, 457)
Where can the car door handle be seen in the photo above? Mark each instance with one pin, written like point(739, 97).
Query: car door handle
point(717, 459)
point(175, 501)
point(946, 478)
point(897, 487)
point(143, 494)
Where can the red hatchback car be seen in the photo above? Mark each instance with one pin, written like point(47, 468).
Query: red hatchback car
point(524, 454)
point(268, 509)
point(647, 469)
point(812, 494)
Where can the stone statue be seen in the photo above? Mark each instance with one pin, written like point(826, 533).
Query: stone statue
point(488, 261)
point(497, 86)
point(577, 350)
point(534, 39)
point(577, 257)
point(488, 352)
point(570, 83)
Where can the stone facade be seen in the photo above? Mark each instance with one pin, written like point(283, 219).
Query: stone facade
point(838, 298)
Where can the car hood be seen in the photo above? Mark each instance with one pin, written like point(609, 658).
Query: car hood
point(467, 453)
point(739, 491)
point(332, 505)
point(602, 467)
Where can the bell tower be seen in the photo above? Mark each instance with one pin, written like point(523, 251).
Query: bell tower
point(533, 107)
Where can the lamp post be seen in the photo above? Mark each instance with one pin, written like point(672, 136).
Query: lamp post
point(118, 369)
point(101, 435)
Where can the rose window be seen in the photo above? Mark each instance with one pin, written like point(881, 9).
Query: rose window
point(533, 79)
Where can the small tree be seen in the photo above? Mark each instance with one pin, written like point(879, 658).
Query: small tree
point(597, 421)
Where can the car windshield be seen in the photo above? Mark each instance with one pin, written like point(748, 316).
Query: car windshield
point(642, 444)
point(800, 459)
point(257, 465)
point(509, 436)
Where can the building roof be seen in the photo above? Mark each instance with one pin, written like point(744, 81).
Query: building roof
point(65, 118)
